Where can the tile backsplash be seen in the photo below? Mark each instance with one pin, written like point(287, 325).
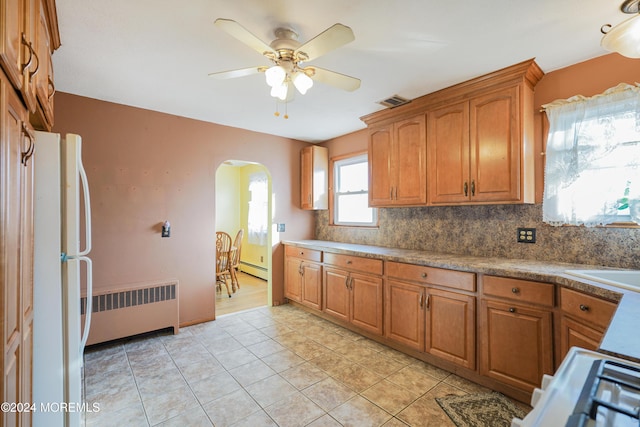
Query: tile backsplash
point(491, 231)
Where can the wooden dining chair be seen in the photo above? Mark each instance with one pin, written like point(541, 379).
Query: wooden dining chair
point(235, 259)
point(223, 260)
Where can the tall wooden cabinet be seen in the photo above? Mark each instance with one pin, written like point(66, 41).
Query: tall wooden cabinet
point(397, 163)
point(21, 61)
point(314, 178)
point(16, 248)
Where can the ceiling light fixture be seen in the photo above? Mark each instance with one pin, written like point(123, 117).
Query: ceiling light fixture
point(624, 38)
point(287, 55)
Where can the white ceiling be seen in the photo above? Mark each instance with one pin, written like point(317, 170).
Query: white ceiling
point(157, 54)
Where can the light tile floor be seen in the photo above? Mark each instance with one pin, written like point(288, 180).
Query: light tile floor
point(271, 366)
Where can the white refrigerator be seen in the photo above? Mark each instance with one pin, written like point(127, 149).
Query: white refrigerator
point(58, 336)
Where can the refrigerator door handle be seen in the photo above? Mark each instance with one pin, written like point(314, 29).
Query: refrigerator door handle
point(87, 204)
point(89, 297)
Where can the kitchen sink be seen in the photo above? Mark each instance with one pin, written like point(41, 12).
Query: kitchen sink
point(627, 279)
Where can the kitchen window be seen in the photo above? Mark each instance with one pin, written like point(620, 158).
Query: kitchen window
point(351, 192)
point(592, 172)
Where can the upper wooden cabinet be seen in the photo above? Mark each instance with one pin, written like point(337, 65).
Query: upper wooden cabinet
point(28, 36)
point(476, 152)
point(397, 163)
point(479, 142)
point(314, 178)
point(44, 86)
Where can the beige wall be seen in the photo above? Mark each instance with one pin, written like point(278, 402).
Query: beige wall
point(491, 230)
point(144, 167)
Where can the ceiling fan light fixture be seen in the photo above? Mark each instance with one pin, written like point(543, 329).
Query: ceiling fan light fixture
point(280, 91)
point(624, 38)
point(275, 76)
point(302, 82)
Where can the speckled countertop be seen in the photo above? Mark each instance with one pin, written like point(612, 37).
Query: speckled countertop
point(621, 338)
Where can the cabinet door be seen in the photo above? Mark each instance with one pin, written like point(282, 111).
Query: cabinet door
point(380, 178)
point(404, 314)
point(451, 327)
point(516, 344)
point(12, 15)
point(312, 285)
point(576, 334)
point(292, 279)
point(336, 293)
point(44, 78)
point(17, 241)
point(26, 267)
point(306, 178)
point(448, 148)
point(366, 302)
point(495, 142)
point(410, 169)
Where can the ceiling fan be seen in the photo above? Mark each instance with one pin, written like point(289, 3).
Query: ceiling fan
point(288, 55)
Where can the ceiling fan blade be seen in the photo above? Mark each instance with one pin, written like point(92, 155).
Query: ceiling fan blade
point(330, 39)
point(341, 81)
point(232, 74)
point(245, 36)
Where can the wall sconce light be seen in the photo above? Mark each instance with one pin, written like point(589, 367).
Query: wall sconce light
point(166, 229)
point(624, 38)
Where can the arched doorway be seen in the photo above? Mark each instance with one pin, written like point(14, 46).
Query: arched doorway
point(244, 201)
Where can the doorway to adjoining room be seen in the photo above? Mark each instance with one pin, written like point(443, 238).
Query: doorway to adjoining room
point(243, 194)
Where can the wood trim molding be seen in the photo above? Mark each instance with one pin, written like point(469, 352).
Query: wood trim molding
point(52, 22)
point(526, 72)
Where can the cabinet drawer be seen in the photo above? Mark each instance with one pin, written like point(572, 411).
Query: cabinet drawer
point(431, 275)
point(519, 290)
point(303, 253)
point(367, 265)
point(586, 307)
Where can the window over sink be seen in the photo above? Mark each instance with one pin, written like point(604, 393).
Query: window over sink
point(350, 205)
point(592, 172)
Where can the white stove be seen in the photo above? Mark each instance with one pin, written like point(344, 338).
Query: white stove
point(589, 389)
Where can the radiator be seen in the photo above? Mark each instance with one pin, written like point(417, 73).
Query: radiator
point(132, 309)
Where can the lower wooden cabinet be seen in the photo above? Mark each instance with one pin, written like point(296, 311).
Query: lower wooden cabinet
point(404, 315)
point(576, 334)
point(516, 343)
point(435, 321)
point(583, 320)
point(451, 327)
point(303, 277)
point(354, 297)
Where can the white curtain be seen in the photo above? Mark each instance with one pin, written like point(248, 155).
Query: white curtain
point(258, 209)
point(592, 172)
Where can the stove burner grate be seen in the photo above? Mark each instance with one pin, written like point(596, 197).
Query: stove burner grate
point(609, 397)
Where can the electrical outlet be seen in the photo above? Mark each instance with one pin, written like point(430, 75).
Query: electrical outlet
point(526, 235)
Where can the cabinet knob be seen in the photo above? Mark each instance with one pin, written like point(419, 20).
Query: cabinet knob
point(584, 307)
point(348, 261)
point(512, 310)
point(301, 253)
point(515, 290)
point(424, 275)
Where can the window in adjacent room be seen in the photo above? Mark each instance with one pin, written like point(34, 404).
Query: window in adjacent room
point(592, 172)
point(259, 204)
point(351, 192)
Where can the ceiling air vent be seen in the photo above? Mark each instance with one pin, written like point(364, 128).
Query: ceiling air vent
point(394, 101)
